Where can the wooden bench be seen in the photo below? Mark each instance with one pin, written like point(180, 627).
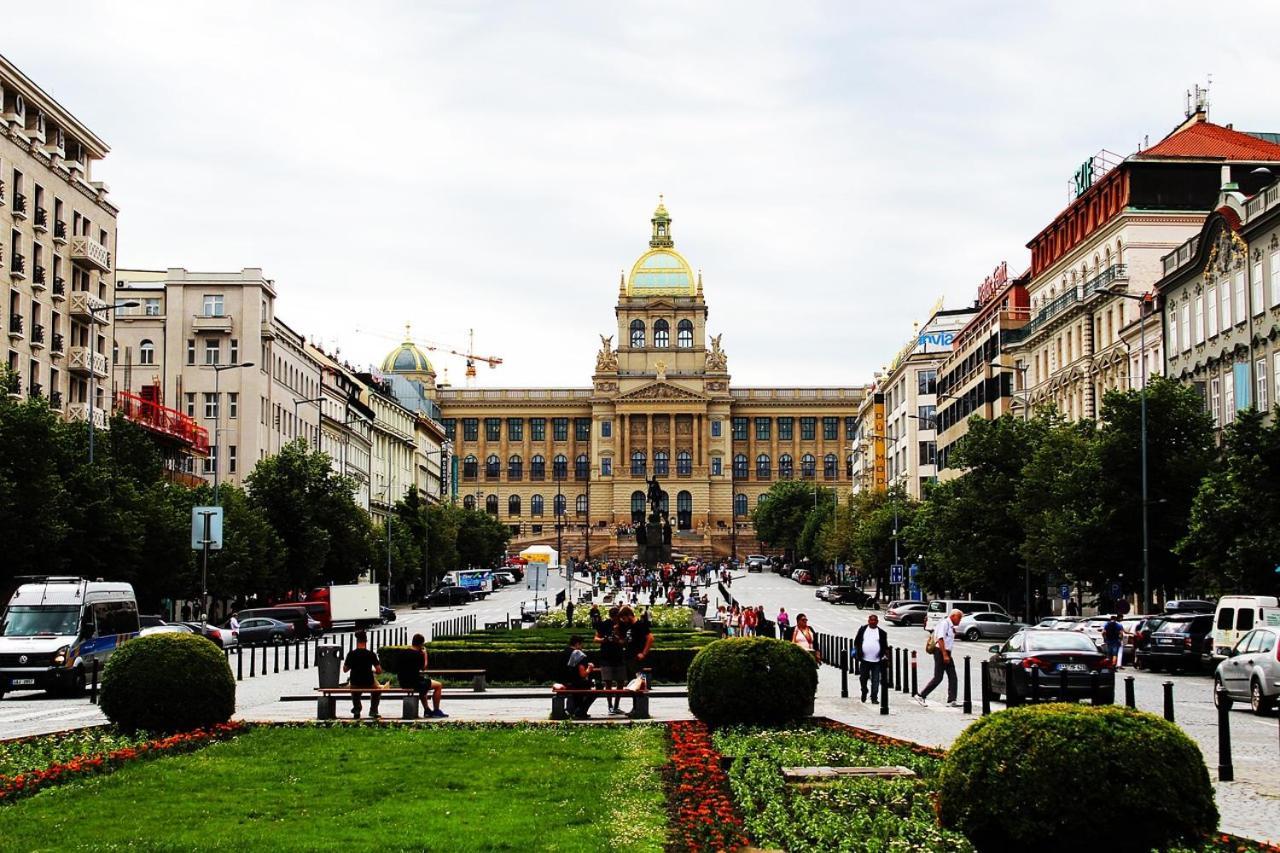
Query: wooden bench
point(477, 676)
point(326, 703)
point(639, 700)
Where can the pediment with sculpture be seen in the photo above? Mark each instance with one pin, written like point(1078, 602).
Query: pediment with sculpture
point(661, 391)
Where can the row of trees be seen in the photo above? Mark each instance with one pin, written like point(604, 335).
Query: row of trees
point(295, 525)
point(1061, 501)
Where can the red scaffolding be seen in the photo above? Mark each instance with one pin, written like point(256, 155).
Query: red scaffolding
point(165, 421)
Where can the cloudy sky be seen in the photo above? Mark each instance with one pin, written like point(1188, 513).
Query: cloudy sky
point(833, 169)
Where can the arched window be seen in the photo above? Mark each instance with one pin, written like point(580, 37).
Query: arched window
point(740, 467)
point(739, 505)
point(491, 504)
point(684, 334)
point(684, 510)
point(146, 353)
point(515, 468)
point(848, 466)
point(513, 505)
point(469, 502)
point(538, 467)
point(808, 466)
point(830, 467)
point(786, 468)
point(661, 333)
point(492, 467)
point(637, 507)
point(664, 504)
point(638, 460)
point(661, 463)
point(684, 463)
point(559, 504)
point(580, 505)
point(560, 466)
point(761, 498)
point(637, 333)
point(580, 467)
point(763, 466)
point(470, 467)
point(535, 505)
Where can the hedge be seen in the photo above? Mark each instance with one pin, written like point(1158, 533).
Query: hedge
point(168, 683)
point(752, 680)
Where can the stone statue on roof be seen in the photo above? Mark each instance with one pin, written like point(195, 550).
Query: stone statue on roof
point(606, 359)
point(716, 358)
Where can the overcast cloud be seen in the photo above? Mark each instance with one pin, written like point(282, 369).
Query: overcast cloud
point(833, 169)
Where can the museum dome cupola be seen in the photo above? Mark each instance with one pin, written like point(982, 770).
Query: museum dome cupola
point(408, 359)
point(661, 271)
point(661, 238)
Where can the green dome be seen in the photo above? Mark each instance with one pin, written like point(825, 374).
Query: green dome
point(407, 358)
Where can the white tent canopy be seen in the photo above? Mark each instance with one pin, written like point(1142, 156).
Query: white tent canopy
point(542, 554)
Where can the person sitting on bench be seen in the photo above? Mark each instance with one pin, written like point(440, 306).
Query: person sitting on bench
point(578, 677)
point(363, 666)
point(413, 678)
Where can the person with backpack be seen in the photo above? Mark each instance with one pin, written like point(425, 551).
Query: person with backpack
point(870, 645)
point(577, 676)
point(1113, 638)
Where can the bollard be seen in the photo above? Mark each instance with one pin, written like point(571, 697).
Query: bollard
point(1062, 686)
point(277, 657)
point(1035, 684)
point(294, 644)
point(903, 682)
point(1226, 772)
point(1168, 701)
point(844, 675)
point(915, 674)
point(93, 685)
point(1010, 694)
point(1094, 697)
point(264, 660)
point(239, 664)
point(306, 655)
point(985, 686)
point(253, 661)
point(297, 654)
point(1128, 692)
point(884, 686)
point(968, 691)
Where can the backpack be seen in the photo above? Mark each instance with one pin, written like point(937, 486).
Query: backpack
point(930, 644)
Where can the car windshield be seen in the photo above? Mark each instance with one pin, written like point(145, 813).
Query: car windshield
point(31, 621)
point(1057, 642)
point(1182, 626)
point(937, 606)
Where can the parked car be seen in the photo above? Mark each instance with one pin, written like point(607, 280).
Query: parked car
point(823, 591)
point(446, 596)
point(149, 620)
point(304, 625)
point(386, 614)
point(845, 594)
point(997, 626)
point(258, 630)
point(1251, 672)
point(1181, 642)
point(223, 637)
point(1188, 605)
point(756, 562)
point(504, 578)
point(802, 576)
point(940, 607)
point(1236, 615)
point(1142, 637)
point(1092, 628)
point(906, 613)
point(1067, 623)
point(165, 629)
point(1052, 653)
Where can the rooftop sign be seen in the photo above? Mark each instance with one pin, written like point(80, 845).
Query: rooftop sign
point(994, 283)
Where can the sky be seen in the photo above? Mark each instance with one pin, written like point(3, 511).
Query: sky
point(832, 168)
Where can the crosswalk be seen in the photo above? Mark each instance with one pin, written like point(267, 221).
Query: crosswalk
point(21, 716)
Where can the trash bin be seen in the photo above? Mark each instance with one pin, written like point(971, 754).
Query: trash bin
point(328, 664)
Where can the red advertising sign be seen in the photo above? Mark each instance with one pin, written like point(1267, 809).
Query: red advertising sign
point(994, 283)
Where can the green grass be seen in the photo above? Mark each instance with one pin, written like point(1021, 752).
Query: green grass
point(350, 788)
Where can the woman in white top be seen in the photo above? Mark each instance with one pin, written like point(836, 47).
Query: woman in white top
point(804, 638)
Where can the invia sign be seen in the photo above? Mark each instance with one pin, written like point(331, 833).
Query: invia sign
point(937, 339)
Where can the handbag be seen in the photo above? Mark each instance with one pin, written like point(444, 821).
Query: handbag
point(930, 644)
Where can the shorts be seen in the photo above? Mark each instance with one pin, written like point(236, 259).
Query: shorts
point(616, 673)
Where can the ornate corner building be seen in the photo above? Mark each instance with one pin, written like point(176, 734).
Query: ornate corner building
point(661, 403)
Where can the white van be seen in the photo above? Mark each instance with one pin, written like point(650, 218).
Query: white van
point(940, 607)
point(56, 627)
point(1237, 615)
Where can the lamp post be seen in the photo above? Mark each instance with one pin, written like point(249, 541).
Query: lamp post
point(1145, 301)
point(101, 309)
point(217, 419)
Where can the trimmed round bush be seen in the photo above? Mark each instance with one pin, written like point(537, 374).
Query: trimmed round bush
point(1044, 777)
point(752, 680)
point(168, 683)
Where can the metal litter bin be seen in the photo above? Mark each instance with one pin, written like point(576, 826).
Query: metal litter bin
point(328, 664)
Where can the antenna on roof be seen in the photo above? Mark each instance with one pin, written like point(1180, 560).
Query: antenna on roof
point(1198, 99)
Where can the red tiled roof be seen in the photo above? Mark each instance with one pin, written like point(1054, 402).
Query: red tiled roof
point(1203, 139)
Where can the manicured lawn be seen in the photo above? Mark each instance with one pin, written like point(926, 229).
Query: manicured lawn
point(348, 788)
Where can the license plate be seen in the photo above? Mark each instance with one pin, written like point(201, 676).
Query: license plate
point(1071, 667)
point(1164, 642)
point(20, 682)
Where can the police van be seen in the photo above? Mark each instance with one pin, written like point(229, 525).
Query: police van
point(56, 627)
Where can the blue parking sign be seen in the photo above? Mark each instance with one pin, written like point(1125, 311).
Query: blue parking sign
point(1115, 590)
point(1064, 591)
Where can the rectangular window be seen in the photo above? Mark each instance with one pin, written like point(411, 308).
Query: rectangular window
point(785, 428)
point(210, 406)
point(450, 428)
point(233, 356)
point(231, 459)
point(808, 429)
point(582, 429)
point(1211, 315)
point(850, 428)
point(191, 351)
point(1228, 399)
point(1199, 320)
point(928, 453)
point(212, 351)
point(538, 429)
point(716, 429)
point(1255, 290)
point(606, 429)
point(150, 307)
point(233, 405)
point(559, 429)
point(515, 429)
point(1184, 321)
point(1275, 278)
point(191, 404)
point(1173, 333)
point(830, 429)
point(1237, 292)
point(1260, 380)
point(492, 429)
point(606, 467)
point(213, 305)
point(1275, 377)
point(739, 429)
point(211, 461)
point(764, 429)
point(717, 468)
point(1224, 294)
point(926, 381)
point(926, 415)
point(470, 429)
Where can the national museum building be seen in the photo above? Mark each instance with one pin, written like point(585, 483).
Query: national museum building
point(661, 403)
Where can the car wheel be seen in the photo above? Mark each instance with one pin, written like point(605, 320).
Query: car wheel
point(1258, 701)
point(972, 634)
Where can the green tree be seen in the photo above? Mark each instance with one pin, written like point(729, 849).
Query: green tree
point(34, 504)
point(482, 539)
point(780, 518)
point(864, 536)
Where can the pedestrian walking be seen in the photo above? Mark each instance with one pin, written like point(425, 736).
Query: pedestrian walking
point(943, 641)
point(784, 624)
point(363, 666)
point(1113, 638)
point(869, 646)
point(803, 637)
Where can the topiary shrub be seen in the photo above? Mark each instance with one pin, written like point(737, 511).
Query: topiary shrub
point(168, 683)
point(1044, 777)
point(752, 680)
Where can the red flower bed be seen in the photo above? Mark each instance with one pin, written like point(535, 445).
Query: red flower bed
point(24, 784)
point(700, 801)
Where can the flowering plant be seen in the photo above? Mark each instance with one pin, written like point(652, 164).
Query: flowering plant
point(700, 802)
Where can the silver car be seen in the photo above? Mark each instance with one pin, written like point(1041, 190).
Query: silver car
point(1251, 672)
point(987, 625)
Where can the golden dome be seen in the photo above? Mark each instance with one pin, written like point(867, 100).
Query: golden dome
point(407, 358)
point(661, 271)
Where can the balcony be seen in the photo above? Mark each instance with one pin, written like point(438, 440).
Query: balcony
point(85, 362)
point(19, 206)
point(163, 421)
point(59, 288)
point(15, 327)
point(90, 253)
point(18, 267)
point(37, 336)
point(55, 400)
point(220, 324)
point(41, 222)
point(38, 279)
point(37, 390)
point(60, 232)
point(79, 413)
point(87, 307)
point(11, 385)
point(1113, 277)
point(58, 347)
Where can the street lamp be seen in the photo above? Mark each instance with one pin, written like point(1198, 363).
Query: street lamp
point(1145, 301)
point(93, 311)
point(217, 419)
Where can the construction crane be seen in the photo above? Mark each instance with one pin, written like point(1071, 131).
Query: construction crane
point(470, 355)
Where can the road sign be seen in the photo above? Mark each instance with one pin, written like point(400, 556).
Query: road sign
point(895, 573)
point(1064, 591)
point(206, 527)
point(1115, 590)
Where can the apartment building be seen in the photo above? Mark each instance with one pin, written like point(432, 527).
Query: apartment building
point(346, 422)
point(393, 469)
point(57, 244)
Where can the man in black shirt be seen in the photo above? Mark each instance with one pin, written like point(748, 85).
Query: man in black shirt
point(639, 640)
point(363, 666)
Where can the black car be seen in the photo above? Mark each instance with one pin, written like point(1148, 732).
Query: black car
point(1180, 642)
point(386, 614)
point(1051, 653)
point(446, 596)
point(848, 595)
point(261, 629)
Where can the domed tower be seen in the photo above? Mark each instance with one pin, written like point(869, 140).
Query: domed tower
point(409, 361)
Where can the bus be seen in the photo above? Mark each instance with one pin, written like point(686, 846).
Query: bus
point(479, 581)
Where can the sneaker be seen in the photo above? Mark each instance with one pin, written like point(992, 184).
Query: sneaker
point(616, 711)
point(920, 700)
point(375, 716)
point(355, 715)
point(953, 704)
point(864, 696)
point(438, 714)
